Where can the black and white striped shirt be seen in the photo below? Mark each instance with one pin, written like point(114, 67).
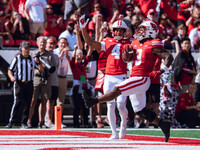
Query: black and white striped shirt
point(23, 68)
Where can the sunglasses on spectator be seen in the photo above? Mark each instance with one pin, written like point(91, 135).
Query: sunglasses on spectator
point(198, 30)
point(71, 24)
point(97, 7)
point(49, 8)
point(152, 14)
point(129, 9)
point(4, 4)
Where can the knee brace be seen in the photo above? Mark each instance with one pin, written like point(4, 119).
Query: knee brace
point(147, 114)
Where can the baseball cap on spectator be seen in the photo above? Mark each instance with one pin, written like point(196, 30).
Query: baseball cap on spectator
point(128, 7)
point(24, 44)
point(51, 40)
point(70, 22)
point(95, 13)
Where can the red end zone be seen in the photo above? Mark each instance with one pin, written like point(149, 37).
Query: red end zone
point(75, 140)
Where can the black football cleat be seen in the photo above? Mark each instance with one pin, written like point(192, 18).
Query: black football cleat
point(9, 125)
point(165, 127)
point(89, 99)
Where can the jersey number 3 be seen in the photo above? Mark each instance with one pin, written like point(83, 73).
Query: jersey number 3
point(139, 56)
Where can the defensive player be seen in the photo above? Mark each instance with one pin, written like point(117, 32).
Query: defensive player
point(115, 72)
point(147, 49)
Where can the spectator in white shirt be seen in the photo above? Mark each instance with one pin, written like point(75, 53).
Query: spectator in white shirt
point(35, 12)
point(69, 35)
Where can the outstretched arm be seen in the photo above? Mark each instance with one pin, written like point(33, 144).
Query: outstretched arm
point(162, 53)
point(94, 44)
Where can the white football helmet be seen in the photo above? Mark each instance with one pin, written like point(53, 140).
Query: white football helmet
point(119, 24)
point(147, 29)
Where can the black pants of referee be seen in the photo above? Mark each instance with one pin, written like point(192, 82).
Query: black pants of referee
point(23, 92)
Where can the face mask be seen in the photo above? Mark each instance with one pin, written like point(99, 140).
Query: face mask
point(118, 38)
point(105, 33)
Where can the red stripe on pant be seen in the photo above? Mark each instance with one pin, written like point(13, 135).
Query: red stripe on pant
point(134, 86)
point(122, 86)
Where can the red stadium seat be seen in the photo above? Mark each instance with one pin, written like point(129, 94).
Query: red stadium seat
point(33, 43)
point(8, 42)
point(17, 42)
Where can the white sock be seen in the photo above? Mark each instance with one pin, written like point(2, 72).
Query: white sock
point(123, 114)
point(111, 116)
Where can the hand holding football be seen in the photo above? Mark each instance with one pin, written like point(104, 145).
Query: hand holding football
point(127, 53)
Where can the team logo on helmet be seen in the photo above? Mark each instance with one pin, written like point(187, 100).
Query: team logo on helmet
point(147, 29)
point(119, 24)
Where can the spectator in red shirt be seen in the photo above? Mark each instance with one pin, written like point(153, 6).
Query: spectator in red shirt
point(53, 28)
point(79, 83)
point(184, 10)
point(195, 15)
point(169, 7)
point(167, 29)
point(186, 110)
point(4, 6)
point(146, 5)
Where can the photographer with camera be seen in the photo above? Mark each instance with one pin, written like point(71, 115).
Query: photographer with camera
point(42, 82)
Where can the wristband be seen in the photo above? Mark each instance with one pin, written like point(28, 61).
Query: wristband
point(164, 68)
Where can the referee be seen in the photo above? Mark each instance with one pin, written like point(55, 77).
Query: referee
point(21, 73)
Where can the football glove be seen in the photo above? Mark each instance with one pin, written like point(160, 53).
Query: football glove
point(82, 22)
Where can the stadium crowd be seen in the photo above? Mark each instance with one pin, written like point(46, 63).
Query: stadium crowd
point(174, 96)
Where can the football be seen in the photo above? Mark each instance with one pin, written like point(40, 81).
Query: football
point(127, 53)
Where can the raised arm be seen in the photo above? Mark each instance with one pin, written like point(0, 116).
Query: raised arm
point(177, 47)
point(89, 53)
point(94, 44)
point(78, 37)
point(98, 23)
